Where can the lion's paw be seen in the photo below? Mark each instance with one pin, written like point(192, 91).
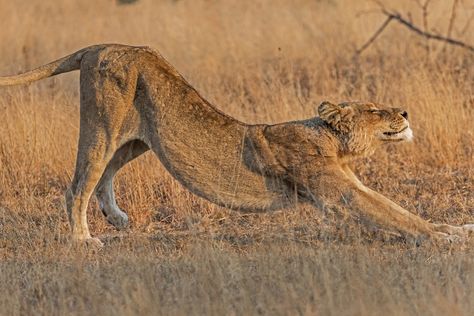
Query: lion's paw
point(118, 219)
point(450, 238)
point(94, 243)
point(89, 242)
point(468, 227)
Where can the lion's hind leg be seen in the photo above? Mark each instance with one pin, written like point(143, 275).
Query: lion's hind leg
point(105, 191)
point(92, 159)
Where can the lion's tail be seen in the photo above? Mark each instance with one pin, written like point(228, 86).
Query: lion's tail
point(62, 65)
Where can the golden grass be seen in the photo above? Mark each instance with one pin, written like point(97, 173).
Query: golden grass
point(261, 61)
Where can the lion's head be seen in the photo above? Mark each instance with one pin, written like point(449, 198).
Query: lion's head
point(362, 126)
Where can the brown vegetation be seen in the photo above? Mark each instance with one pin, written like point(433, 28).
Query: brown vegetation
point(264, 61)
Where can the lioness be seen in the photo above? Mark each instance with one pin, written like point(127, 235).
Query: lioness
point(132, 100)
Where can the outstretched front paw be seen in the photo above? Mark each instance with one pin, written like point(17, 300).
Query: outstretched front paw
point(468, 228)
point(450, 238)
point(462, 231)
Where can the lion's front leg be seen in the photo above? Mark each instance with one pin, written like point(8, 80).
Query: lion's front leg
point(461, 231)
point(336, 188)
point(443, 231)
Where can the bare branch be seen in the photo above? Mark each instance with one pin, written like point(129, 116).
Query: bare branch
point(424, 11)
point(424, 33)
point(467, 25)
point(452, 18)
point(374, 37)
point(424, 5)
point(428, 35)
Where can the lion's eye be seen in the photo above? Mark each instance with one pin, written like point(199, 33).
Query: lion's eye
point(373, 111)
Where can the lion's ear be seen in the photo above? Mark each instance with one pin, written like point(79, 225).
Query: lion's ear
point(339, 117)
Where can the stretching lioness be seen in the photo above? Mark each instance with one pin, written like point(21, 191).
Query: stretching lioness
point(132, 100)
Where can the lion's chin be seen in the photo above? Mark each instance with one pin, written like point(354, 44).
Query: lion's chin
point(406, 134)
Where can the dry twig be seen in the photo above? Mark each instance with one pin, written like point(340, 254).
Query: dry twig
point(452, 18)
point(424, 9)
point(393, 16)
point(374, 37)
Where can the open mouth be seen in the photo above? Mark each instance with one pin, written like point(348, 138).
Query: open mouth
point(395, 133)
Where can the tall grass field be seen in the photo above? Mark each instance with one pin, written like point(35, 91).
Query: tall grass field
point(263, 61)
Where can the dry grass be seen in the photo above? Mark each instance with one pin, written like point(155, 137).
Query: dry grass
point(261, 61)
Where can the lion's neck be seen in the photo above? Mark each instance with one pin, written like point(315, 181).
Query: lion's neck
point(353, 147)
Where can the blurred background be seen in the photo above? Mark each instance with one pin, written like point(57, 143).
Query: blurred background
point(263, 61)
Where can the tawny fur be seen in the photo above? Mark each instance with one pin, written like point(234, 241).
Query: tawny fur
point(132, 100)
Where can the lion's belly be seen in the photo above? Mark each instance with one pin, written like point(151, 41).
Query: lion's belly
point(208, 162)
point(200, 146)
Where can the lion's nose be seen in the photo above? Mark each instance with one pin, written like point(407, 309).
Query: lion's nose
point(404, 114)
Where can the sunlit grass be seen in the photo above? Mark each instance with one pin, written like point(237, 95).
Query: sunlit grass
point(263, 61)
